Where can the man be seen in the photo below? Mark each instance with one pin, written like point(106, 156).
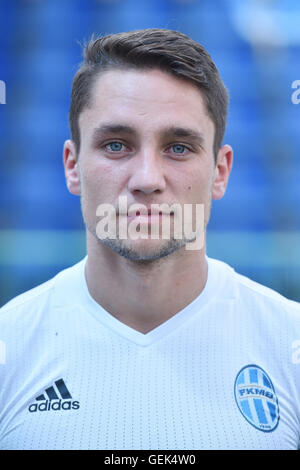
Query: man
point(147, 343)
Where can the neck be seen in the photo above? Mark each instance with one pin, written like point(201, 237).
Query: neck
point(144, 296)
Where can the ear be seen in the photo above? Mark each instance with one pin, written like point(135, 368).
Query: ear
point(222, 171)
point(71, 167)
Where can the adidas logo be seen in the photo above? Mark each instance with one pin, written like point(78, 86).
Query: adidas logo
point(58, 398)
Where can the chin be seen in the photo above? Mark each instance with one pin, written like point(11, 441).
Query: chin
point(144, 250)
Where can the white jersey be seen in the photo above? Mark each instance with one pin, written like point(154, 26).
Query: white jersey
point(223, 373)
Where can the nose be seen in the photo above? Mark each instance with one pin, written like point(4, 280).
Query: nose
point(148, 173)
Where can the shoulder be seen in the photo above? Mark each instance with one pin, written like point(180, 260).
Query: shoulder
point(31, 297)
point(252, 289)
point(21, 317)
point(253, 294)
point(39, 297)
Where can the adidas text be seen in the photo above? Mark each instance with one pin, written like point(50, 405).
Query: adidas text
point(54, 405)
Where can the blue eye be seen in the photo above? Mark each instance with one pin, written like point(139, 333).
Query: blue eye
point(115, 146)
point(178, 148)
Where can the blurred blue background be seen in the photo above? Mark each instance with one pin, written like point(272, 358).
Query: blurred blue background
point(256, 46)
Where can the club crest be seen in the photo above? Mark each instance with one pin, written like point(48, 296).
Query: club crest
point(256, 398)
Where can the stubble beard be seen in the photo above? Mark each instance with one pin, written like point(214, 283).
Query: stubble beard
point(141, 257)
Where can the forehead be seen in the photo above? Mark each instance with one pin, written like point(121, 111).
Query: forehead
point(145, 99)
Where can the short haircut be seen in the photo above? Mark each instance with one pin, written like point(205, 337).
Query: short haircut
point(170, 51)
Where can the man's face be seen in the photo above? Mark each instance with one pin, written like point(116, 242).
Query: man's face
point(146, 136)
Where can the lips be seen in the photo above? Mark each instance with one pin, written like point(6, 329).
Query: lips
point(142, 212)
point(150, 212)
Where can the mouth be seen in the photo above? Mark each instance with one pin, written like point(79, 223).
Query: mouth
point(151, 216)
point(150, 212)
point(148, 218)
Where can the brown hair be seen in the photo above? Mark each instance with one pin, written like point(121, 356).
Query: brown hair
point(170, 51)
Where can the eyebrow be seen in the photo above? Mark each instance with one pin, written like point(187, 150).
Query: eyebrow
point(167, 133)
point(191, 134)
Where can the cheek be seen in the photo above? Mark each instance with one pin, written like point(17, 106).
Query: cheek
point(198, 189)
point(91, 183)
point(91, 191)
point(100, 184)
